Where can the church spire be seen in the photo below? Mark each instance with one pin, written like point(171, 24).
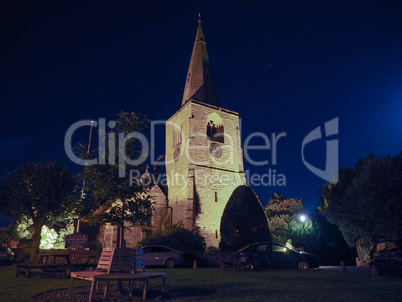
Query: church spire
point(200, 84)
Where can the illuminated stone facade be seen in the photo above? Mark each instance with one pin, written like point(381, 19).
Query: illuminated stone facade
point(200, 183)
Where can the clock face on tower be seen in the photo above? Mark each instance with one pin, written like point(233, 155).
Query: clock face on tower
point(215, 150)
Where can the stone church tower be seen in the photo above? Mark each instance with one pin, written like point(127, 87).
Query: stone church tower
point(204, 161)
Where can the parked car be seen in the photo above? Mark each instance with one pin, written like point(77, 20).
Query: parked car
point(272, 254)
point(158, 255)
point(386, 257)
point(6, 255)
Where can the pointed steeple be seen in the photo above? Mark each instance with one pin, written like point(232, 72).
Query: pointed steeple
point(200, 83)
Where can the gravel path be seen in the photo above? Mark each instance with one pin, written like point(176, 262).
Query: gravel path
point(81, 294)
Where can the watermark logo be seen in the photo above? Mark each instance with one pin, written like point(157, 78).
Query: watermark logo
point(332, 151)
point(204, 149)
point(116, 143)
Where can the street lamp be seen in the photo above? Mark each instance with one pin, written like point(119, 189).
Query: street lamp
point(303, 219)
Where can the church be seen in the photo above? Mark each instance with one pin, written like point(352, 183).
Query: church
point(203, 158)
point(203, 146)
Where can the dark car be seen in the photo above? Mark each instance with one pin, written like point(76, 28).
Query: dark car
point(386, 257)
point(6, 255)
point(158, 255)
point(272, 254)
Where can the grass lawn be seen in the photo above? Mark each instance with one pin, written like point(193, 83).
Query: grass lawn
point(216, 285)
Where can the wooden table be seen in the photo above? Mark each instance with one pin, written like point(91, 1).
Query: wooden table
point(50, 269)
point(44, 258)
point(143, 277)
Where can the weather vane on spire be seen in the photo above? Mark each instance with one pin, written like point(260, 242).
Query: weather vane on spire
point(199, 17)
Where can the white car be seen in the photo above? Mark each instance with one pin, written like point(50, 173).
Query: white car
point(158, 255)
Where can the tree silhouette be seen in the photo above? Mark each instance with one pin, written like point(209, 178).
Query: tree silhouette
point(243, 220)
point(366, 202)
point(43, 192)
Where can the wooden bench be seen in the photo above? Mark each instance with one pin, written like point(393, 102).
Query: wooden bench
point(119, 264)
point(104, 267)
point(27, 270)
point(139, 260)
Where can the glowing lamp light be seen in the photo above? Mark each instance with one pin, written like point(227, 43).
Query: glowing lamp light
point(303, 218)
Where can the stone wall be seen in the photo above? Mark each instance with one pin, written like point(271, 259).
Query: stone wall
point(200, 184)
point(159, 222)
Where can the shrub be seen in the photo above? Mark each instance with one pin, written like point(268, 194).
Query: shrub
point(180, 239)
point(243, 220)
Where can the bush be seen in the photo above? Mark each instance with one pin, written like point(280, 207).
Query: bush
point(180, 239)
point(243, 220)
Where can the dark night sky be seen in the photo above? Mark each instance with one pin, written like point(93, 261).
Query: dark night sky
point(285, 66)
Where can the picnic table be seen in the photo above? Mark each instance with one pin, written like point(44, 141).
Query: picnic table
point(91, 263)
point(46, 267)
point(52, 269)
point(44, 258)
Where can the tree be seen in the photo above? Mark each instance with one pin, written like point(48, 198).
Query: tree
point(337, 209)
point(377, 190)
point(121, 199)
point(329, 245)
point(43, 192)
point(243, 220)
point(366, 202)
point(281, 211)
point(283, 215)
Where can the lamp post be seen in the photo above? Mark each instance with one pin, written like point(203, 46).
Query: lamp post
point(77, 227)
point(303, 219)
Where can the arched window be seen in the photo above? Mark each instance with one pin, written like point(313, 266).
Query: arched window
point(177, 135)
point(180, 135)
point(215, 129)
